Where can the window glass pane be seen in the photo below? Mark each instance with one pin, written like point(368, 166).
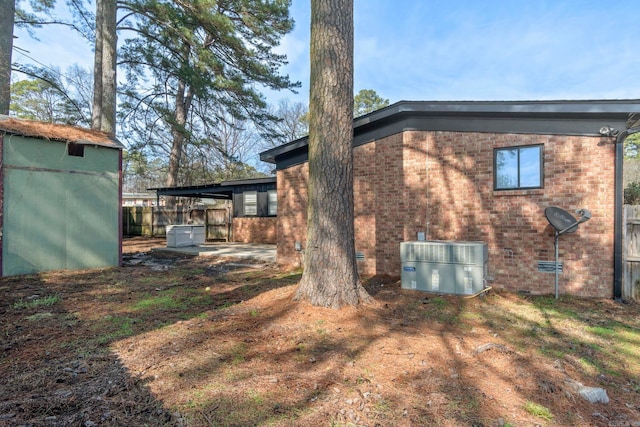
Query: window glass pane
point(507, 168)
point(530, 167)
point(250, 203)
point(273, 202)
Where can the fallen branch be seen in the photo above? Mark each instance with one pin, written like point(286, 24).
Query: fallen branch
point(499, 347)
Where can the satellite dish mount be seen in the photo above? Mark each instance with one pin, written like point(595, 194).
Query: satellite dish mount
point(563, 222)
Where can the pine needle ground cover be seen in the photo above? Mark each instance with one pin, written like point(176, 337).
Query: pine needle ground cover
point(168, 341)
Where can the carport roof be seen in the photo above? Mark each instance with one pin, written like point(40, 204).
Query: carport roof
point(216, 190)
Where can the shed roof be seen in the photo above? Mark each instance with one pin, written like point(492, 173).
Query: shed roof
point(57, 132)
point(583, 117)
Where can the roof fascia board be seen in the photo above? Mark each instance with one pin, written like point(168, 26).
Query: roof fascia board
point(211, 190)
point(538, 117)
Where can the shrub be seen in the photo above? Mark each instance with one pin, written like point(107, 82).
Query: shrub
point(632, 193)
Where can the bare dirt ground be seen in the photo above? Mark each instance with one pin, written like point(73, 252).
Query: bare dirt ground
point(175, 341)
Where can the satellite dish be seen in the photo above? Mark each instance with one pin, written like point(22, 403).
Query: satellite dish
point(564, 222)
point(561, 220)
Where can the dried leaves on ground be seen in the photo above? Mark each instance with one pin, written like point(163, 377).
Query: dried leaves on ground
point(171, 340)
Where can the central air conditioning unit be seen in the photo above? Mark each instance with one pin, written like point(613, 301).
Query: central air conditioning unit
point(445, 267)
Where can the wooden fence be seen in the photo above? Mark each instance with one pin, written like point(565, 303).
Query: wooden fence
point(631, 253)
point(152, 221)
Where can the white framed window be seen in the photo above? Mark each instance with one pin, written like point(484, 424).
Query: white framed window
point(518, 167)
point(250, 203)
point(272, 197)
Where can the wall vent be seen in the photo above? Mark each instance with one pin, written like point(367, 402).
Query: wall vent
point(549, 267)
point(359, 256)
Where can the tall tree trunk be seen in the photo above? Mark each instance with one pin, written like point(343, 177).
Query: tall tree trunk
point(8, 8)
point(183, 104)
point(104, 73)
point(330, 275)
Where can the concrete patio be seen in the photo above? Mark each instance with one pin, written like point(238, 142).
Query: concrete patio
point(258, 251)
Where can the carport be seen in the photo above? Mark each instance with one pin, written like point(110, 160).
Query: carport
point(218, 190)
point(254, 204)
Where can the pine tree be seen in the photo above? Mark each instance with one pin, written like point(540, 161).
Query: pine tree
point(330, 275)
point(6, 46)
point(210, 51)
point(104, 70)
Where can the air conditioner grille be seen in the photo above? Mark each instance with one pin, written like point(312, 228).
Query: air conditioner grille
point(446, 252)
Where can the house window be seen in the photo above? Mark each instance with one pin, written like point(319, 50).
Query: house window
point(273, 202)
point(76, 150)
point(518, 167)
point(250, 203)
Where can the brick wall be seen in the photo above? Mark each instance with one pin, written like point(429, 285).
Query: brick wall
point(255, 229)
point(292, 214)
point(441, 183)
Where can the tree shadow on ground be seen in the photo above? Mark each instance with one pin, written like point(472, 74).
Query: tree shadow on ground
point(49, 377)
point(59, 327)
point(220, 342)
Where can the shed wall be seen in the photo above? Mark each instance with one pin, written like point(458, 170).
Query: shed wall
point(441, 183)
point(60, 211)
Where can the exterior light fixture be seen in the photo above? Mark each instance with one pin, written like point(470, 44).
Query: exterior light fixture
point(607, 130)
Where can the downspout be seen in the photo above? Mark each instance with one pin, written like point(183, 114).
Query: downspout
point(120, 208)
point(618, 267)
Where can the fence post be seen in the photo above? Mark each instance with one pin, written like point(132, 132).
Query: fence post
point(631, 252)
point(626, 277)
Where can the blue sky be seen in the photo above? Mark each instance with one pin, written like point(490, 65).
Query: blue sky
point(456, 49)
point(485, 50)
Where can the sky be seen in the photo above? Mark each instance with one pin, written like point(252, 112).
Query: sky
point(450, 50)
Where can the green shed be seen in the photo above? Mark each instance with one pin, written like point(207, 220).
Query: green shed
point(60, 198)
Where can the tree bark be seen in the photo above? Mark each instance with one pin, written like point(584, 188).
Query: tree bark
point(6, 46)
point(330, 277)
point(104, 73)
point(183, 104)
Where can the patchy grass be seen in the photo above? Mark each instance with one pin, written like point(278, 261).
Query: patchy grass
point(114, 327)
point(36, 302)
point(538, 410)
point(208, 342)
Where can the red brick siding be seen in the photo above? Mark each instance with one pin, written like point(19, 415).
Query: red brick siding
point(255, 229)
point(292, 209)
point(577, 173)
point(441, 183)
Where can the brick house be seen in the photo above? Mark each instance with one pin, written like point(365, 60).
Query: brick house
point(479, 171)
point(254, 205)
